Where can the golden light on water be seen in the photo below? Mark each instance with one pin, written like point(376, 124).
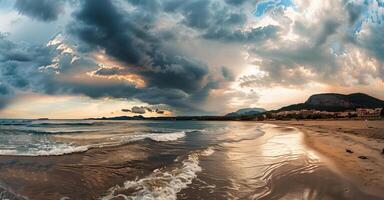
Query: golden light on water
point(254, 161)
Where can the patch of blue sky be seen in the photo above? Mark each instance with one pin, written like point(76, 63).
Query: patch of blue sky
point(357, 26)
point(372, 13)
point(286, 3)
point(264, 6)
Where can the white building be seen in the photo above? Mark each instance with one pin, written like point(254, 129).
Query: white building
point(368, 112)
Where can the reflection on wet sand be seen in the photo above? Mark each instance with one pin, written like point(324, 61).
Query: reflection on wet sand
point(277, 165)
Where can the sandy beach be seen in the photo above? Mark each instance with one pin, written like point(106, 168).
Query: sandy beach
point(354, 147)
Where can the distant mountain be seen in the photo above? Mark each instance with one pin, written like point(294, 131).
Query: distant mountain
point(246, 111)
point(337, 102)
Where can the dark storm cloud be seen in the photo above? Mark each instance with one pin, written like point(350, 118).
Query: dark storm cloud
point(130, 42)
point(236, 2)
point(260, 34)
point(11, 72)
point(374, 42)
point(19, 64)
point(49, 72)
point(179, 72)
point(143, 110)
point(169, 75)
point(205, 14)
point(44, 10)
point(3, 90)
point(101, 25)
point(198, 14)
point(9, 52)
point(355, 12)
point(328, 29)
point(220, 20)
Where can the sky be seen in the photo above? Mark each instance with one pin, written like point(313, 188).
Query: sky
point(92, 58)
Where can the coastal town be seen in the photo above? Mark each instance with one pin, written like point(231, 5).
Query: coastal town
point(303, 114)
point(359, 113)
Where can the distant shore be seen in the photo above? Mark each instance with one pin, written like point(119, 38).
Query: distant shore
point(354, 146)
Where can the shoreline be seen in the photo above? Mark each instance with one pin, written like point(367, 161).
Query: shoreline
point(283, 156)
point(342, 143)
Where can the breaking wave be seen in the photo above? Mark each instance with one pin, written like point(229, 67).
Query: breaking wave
point(161, 184)
point(59, 148)
point(48, 150)
point(159, 137)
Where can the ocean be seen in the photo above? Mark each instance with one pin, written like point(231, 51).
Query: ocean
point(85, 159)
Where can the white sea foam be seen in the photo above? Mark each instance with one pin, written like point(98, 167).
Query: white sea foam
point(159, 137)
point(163, 137)
point(52, 148)
point(59, 150)
point(8, 152)
point(161, 184)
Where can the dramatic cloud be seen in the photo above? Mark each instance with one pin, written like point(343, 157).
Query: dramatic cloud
point(126, 39)
point(194, 57)
point(319, 50)
point(44, 10)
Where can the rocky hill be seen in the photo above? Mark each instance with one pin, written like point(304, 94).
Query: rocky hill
point(337, 102)
point(246, 112)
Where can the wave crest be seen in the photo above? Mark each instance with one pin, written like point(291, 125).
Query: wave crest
point(161, 185)
point(53, 150)
point(57, 148)
point(161, 137)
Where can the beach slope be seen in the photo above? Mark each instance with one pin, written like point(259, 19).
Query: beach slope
point(354, 147)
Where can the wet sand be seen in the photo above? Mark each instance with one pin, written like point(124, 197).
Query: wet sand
point(278, 165)
point(86, 175)
point(343, 142)
point(269, 162)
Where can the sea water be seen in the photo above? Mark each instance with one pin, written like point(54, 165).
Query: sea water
point(96, 159)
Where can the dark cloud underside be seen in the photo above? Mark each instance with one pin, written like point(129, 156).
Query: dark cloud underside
point(44, 10)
